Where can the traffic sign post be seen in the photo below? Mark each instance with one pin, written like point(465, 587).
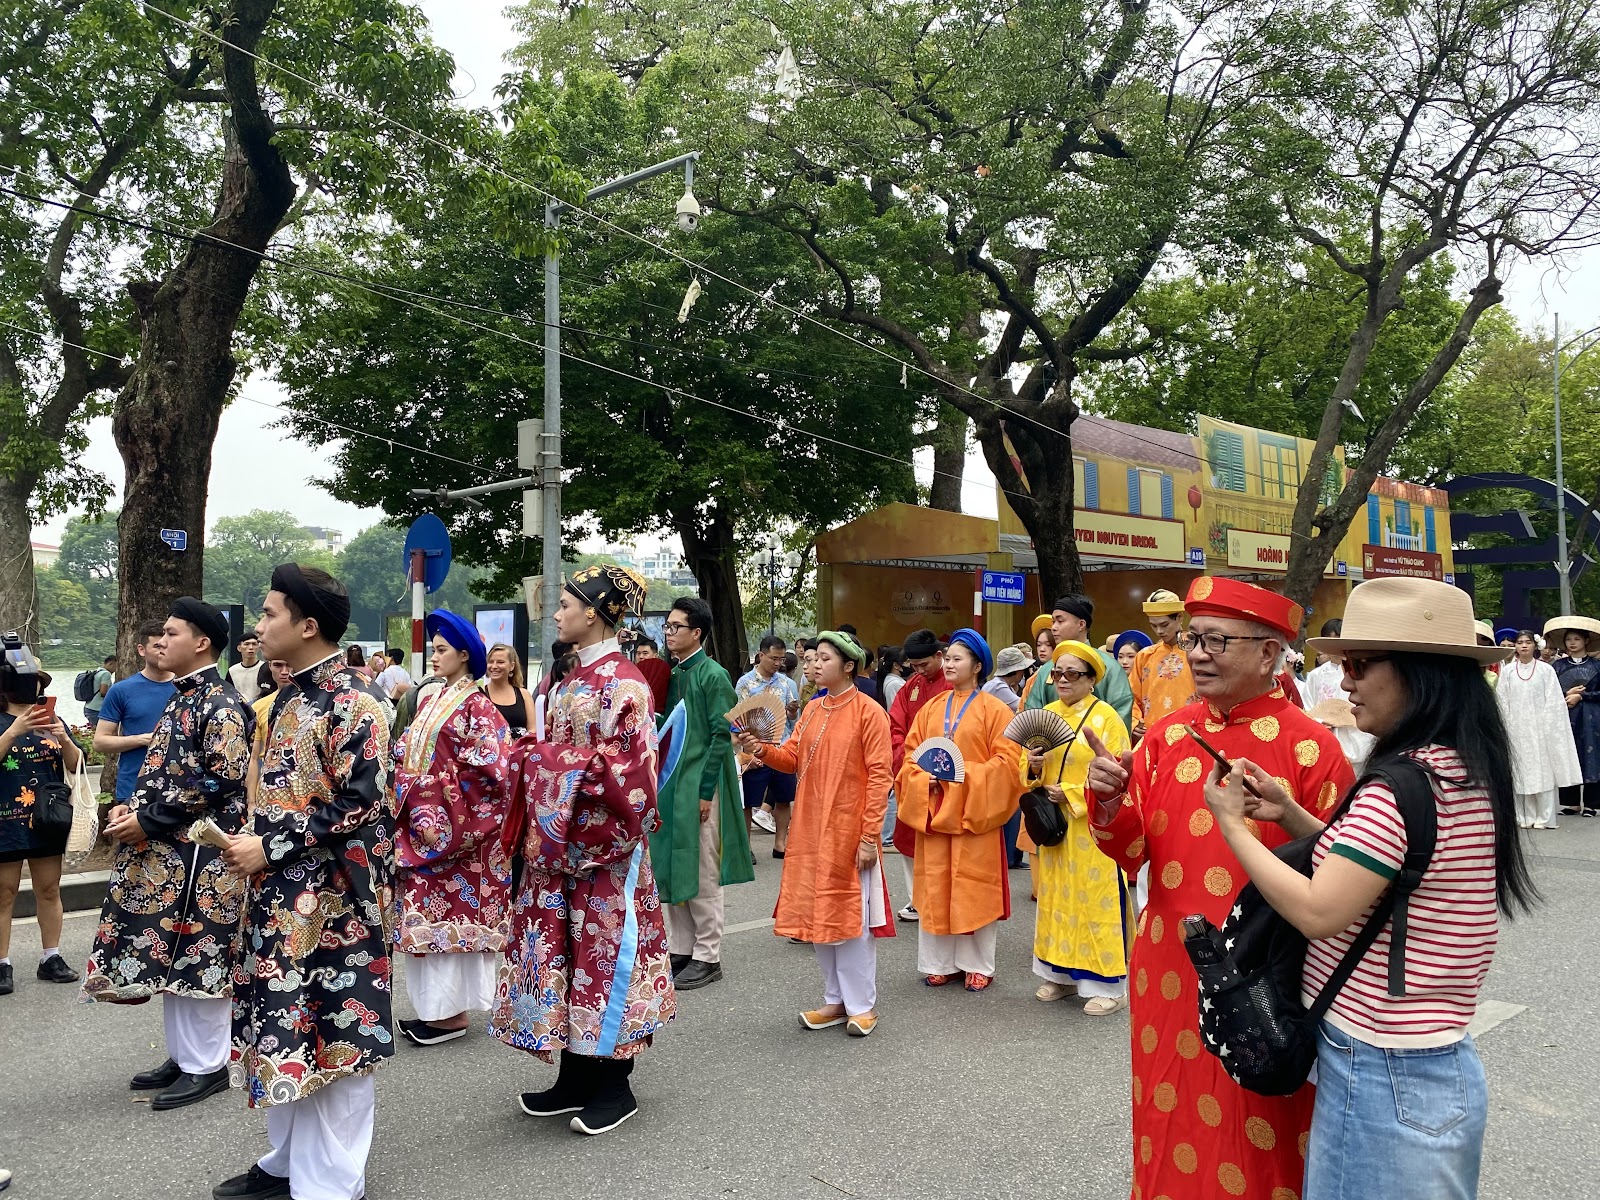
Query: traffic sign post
point(427, 563)
point(1003, 587)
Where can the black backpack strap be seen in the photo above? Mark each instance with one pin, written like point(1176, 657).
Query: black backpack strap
point(1413, 794)
point(1414, 798)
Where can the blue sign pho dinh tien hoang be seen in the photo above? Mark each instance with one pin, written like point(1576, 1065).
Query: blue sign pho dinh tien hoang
point(1535, 560)
point(1003, 587)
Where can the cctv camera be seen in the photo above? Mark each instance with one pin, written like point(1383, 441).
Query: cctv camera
point(688, 212)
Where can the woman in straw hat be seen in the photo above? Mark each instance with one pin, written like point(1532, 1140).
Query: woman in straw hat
point(1543, 757)
point(1579, 673)
point(1412, 667)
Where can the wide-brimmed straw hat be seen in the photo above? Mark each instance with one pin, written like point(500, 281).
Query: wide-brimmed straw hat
point(1411, 616)
point(1334, 713)
point(1578, 624)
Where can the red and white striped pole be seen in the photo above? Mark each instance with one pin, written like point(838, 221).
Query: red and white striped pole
point(418, 594)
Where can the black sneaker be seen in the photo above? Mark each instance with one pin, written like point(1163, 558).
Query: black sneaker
point(254, 1184)
point(55, 970)
point(696, 975)
point(423, 1034)
point(8, 983)
point(602, 1116)
point(552, 1102)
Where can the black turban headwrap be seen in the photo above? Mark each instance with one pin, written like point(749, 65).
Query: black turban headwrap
point(1078, 605)
point(207, 618)
point(331, 609)
point(610, 590)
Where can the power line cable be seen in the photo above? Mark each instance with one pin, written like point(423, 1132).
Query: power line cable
point(456, 153)
point(323, 272)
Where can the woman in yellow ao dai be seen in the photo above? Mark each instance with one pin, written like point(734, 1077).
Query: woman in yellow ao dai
point(1084, 922)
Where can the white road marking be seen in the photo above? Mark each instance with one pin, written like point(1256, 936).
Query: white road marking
point(1493, 1013)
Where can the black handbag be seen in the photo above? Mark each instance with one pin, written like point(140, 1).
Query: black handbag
point(1250, 969)
point(1041, 816)
point(52, 809)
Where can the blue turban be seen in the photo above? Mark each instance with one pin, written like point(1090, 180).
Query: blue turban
point(973, 641)
point(463, 635)
point(1129, 637)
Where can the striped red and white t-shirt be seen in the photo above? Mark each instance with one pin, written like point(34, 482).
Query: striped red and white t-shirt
point(1453, 922)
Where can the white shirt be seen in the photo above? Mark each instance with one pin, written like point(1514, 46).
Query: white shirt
point(246, 680)
point(391, 679)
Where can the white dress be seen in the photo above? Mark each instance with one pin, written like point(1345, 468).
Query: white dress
point(1543, 756)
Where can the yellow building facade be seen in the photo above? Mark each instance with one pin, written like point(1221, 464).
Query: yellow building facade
point(1154, 508)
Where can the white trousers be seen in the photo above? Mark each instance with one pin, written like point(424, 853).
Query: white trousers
point(1535, 808)
point(695, 927)
point(321, 1143)
point(446, 985)
point(910, 864)
point(850, 969)
point(1087, 988)
point(199, 1032)
point(957, 953)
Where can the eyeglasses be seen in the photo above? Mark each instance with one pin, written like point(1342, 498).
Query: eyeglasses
point(673, 627)
point(1355, 665)
point(1215, 644)
point(1073, 676)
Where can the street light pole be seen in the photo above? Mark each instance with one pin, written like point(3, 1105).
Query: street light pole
point(1562, 566)
point(550, 592)
point(1563, 558)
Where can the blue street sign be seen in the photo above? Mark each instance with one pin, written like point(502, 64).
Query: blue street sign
point(176, 539)
point(428, 534)
point(1341, 569)
point(1002, 587)
point(1450, 578)
point(1197, 556)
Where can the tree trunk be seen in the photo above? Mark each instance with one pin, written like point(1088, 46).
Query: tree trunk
point(17, 592)
point(1043, 498)
point(167, 414)
point(949, 441)
point(709, 549)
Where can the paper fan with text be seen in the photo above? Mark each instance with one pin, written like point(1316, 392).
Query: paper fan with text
point(941, 758)
point(761, 714)
point(1038, 731)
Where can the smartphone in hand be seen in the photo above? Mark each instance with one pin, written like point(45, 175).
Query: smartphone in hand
point(1221, 759)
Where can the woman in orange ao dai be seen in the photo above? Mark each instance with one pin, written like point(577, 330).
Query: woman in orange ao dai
point(833, 893)
point(960, 863)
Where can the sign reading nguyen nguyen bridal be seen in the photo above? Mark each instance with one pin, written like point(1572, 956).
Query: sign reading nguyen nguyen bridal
point(1117, 535)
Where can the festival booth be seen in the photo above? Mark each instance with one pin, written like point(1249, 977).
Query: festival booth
point(1155, 508)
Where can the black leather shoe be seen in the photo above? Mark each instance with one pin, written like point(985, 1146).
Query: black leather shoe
point(55, 970)
point(7, 980)
point(190, 1089)
point(163, 1076)
point(254, 1184)
point(679, 962)
point(696, 975)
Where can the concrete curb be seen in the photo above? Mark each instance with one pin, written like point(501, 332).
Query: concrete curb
point(82, 892)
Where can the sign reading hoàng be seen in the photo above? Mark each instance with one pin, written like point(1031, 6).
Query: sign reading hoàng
point(1252, 551)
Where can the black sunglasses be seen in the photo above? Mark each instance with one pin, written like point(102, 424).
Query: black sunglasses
point(1355, 665)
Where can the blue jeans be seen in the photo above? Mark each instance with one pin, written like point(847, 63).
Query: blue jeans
point(888, 819)
point(1401, 1124)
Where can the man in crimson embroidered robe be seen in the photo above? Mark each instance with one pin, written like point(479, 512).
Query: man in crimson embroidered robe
point(586, 972)
point(1196, 1133)
point(924, 653)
